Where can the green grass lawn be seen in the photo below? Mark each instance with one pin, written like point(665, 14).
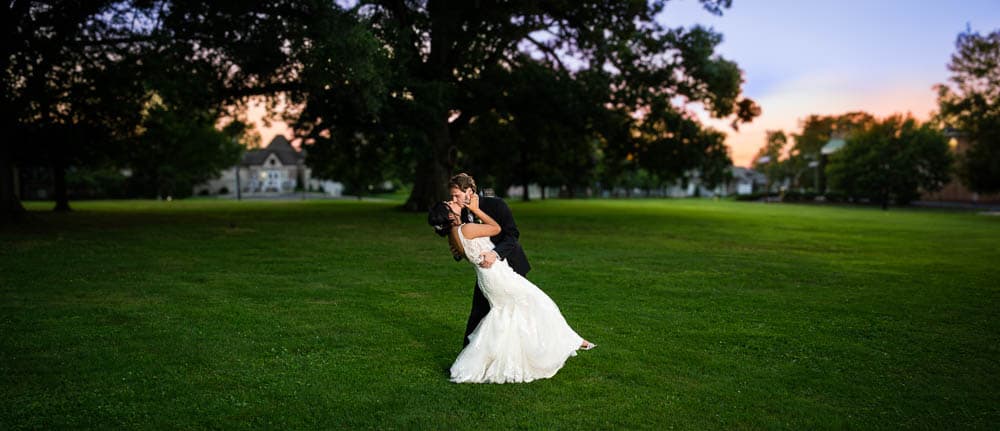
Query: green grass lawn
point(345, 314)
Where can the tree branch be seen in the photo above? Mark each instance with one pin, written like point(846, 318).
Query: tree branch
point(548, 51)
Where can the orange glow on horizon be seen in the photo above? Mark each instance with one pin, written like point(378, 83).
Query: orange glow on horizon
point(784, 110)
point(255, 115)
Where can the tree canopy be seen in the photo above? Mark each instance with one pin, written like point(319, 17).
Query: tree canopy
point(891, 161)
point(69, 90)
point(441, 73)
point(525, 91)
point(768, 158)
point(972, 105)
point(78, 79)
point(817, 131)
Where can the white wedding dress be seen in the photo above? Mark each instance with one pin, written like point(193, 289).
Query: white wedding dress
point(523, 338)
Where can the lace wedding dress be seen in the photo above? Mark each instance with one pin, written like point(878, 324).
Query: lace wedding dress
point(523, 338)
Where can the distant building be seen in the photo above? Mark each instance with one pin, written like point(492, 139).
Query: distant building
point(744, 181)
point(275, 169)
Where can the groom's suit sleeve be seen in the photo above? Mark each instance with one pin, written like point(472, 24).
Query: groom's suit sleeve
point(507, 244)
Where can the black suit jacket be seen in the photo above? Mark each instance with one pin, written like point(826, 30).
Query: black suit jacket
point(506, 242)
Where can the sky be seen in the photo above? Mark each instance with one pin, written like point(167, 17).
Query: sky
point(802, 57)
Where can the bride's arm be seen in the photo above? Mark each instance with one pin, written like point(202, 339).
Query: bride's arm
point(489, 227)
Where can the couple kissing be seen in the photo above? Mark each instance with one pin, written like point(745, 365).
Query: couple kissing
point(515, 332)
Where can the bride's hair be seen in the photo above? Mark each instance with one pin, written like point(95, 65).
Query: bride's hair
point(437, 217)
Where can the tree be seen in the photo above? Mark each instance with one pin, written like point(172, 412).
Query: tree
point(351, 159)
point(77, 76)
point(178, 149)
point(891, 161)
point(671, 145)
point(973, 106)
point(716, 163)
point(407, 77)
point(817, 131)
point(320, 59)
point(541, 122)
point(442, 63)
point(768, 158)
point(68, 89)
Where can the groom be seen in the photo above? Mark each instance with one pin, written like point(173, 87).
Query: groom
point(506, 247)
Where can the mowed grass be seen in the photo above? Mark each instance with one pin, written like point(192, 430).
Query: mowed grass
point(708, 315)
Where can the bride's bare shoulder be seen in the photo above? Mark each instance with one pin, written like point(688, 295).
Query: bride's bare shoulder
point(475, 230)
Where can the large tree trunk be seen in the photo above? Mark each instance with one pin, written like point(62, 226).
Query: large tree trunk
point(429, 186)
point(10, 205)
point(431, 182)
point(11, 13)
point(433, 167)
point(59, 186)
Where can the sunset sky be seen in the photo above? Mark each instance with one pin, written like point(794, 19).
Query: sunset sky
point(826, 57)
point(830, 57)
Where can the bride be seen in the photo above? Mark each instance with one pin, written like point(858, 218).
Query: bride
point(524, 337)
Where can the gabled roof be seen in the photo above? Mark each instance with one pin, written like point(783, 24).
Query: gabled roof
point(742, 173)
point(280, 147)
point(833, 146)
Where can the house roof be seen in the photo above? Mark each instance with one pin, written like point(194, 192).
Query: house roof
point(748, 174)
point(833, 146)
point(280, 147)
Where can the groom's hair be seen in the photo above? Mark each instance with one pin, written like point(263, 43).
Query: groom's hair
point(437, 217)
point(463, 182)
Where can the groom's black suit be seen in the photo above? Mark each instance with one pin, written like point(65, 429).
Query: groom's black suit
point(505, 245)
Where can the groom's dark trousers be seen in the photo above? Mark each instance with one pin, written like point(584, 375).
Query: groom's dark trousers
point(507, 247)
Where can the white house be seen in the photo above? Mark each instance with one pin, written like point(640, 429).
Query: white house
point(745, 181)
point(272, 170)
